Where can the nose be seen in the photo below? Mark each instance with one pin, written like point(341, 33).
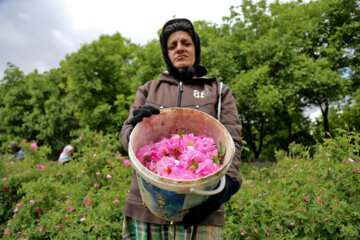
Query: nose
point(179, 48)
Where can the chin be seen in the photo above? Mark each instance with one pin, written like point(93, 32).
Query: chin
point(183, 66)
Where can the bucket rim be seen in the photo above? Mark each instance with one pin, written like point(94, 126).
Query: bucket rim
point(176, 182)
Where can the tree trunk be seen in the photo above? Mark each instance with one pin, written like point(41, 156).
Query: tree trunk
point(326, 121)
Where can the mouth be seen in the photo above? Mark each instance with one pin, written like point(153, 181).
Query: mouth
point(181, 57)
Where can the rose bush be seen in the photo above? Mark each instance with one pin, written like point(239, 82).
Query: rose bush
point(71, 201)
point(303, 196)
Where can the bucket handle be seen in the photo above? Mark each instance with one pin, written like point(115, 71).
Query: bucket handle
point(212, 192)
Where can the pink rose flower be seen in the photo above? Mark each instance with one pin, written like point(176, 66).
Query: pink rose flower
point(38, 210)
point(82, 171)
point(126, 163)
point(70, 209)
point(116, 201)
point(7, 231)
point(41, 166)
point(33, 146)
point(32, 202)
point(41, 229)
point(108, 176)
point(86, 201)
point(292, 224)
point(357, 169)
point(82, 219)
point(351, 160)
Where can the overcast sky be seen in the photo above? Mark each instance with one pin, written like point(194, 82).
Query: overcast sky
point(37, 34)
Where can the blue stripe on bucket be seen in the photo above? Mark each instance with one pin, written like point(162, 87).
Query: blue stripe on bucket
point(168, 205)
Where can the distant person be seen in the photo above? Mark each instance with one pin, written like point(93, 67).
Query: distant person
point(66, 154)
point(18, 153)
point(25, 140)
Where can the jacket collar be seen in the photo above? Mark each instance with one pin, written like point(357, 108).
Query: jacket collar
point(165, 77)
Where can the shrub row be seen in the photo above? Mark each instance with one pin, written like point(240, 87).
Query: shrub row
point(302, 196)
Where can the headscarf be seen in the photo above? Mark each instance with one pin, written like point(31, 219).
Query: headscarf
point(14, 146)
point(183, 73)
point(65, 156)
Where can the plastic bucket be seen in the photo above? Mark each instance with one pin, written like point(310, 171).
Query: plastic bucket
point(170, 199)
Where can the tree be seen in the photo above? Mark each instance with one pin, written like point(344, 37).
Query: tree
point(14, 105)
point(98, 79)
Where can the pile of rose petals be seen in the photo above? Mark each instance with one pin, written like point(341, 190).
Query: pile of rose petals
point(181, 156)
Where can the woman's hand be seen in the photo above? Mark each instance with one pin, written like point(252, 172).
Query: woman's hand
point(201, 212)
point(140, 113)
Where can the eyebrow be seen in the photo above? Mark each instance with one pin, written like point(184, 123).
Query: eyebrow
point(181, 40)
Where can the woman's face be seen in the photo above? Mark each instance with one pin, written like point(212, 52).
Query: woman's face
point(181, 49)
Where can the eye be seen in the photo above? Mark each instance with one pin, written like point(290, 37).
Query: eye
point(186, 43)
point(171, 47)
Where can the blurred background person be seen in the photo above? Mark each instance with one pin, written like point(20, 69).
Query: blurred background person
point(66, 154)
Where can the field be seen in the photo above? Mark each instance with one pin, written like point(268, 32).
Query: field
point(304, 195)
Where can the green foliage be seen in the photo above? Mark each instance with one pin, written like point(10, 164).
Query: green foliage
point(279, 59)
point(13, 104)
point(97, 77)
point(82, 199)
point(347, 114)
point(301, 197)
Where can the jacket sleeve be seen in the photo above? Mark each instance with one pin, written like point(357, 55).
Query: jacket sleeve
point(230, 119)
point(126, 129)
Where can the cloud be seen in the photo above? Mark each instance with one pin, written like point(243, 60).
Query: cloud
point(33, 34)
point(37, 34)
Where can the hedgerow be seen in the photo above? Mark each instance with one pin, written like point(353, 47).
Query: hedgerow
point(302, 196)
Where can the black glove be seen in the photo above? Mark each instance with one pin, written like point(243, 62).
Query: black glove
point(140, 113)
point(198, 213)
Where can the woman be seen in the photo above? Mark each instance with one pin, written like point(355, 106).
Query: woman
point(184, 85)
point(18, 153)
point(65, 155)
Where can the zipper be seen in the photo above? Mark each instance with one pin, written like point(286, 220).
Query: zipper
point(180, 94)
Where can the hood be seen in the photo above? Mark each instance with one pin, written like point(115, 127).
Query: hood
point(68, 150)
point(182, 74)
